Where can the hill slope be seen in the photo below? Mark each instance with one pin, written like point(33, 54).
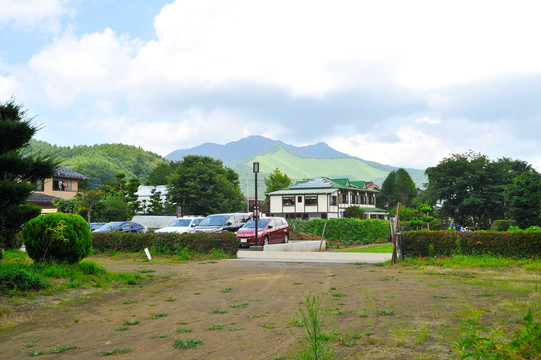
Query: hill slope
point(297, 162)
point(102, 162)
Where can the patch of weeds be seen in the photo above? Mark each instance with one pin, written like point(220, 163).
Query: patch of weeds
point(387, 312)
point(424, 334)
point(267, 326)
point(226, 290)
point(122, 328)
point(349, 339)
point(187, 343)
point(296, 322)
point(279, 357)
point(36, 353)
point(237, 329)
point(216, 326)
point(316, 317)
point(129, 302)
point(184, 330)
point(145, 271)
point(29, 345)
point(340, 313)
point(339, 295)
point(219, 311)
point(115, 351)
point(170, 299)
point(131, 322)
point(155, 316)
point(163, 336)
point(341, 303)
point(440, 297)
point(197, 293)
point(361, 313)
point(331, 275)
point(254, 299)
point(297, 283)
point(333, 288)
point(182, 323)
point(386, 278)
point(239, 305)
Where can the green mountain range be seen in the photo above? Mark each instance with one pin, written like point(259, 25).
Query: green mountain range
point(297, 162)
point(102, 162)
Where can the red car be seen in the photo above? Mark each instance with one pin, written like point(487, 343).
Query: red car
point(272, 230)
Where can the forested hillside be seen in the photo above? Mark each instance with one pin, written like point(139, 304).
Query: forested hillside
point(100, 163)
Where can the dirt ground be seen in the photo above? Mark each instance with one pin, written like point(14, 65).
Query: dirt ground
point(379, 312)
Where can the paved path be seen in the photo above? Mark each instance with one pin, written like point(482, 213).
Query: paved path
point(324, 257)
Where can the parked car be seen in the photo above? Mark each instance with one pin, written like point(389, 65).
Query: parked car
point(270, 230)
point(96, 225)
point(223, 222)
point(122, 226)
point(181, 225)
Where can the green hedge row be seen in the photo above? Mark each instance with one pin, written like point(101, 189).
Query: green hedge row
point(344, 228)
point(448, 243)
point(167, 243)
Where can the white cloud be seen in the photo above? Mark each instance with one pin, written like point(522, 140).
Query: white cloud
point(428, 120)
point(42, 14)
point(70, 66)
point(413, 148)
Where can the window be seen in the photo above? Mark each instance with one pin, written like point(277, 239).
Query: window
point(363, 199)
point(61, 185)
point(288, 201)
point(344, 198)
point(354, 198)
point(371, 200)
point(39, 184)
point(310, 200)
point(333, 200)
point(299, 199)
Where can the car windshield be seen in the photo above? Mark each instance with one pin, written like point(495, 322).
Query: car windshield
point(111, 225)
point(260, 224)
point(181, 223)
point(214, 220)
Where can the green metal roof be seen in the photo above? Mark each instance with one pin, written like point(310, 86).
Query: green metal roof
point(360, 184)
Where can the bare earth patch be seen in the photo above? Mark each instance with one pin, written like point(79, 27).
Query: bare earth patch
point(244, 310)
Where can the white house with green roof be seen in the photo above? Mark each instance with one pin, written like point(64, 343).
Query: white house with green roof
point(325, 198)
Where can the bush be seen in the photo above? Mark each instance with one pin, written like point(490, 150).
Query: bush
point(501, 225)
point(168, 243)
point(343, 230)
point(11, 221)
point(57, 238)
point(519, 244)
point(20, 279)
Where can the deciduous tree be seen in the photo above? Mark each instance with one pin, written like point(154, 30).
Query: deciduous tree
point(276, 181)
point(202, 185)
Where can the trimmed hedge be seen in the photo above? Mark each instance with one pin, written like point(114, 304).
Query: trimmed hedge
point(167, 243)
point(448, 243)
point(344, 228)
point(57, 237)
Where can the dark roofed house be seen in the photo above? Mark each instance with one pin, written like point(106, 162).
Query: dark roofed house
point(64, 184)
point(325, 198)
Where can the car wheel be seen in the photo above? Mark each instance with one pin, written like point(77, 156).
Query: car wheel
point(266, 240)
point(286, 238)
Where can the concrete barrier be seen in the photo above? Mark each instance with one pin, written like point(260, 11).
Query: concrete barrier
point(310, 246)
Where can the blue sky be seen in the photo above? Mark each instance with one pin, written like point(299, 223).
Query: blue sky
point(400, 83)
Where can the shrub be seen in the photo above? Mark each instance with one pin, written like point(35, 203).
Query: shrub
point(57, 238)
point(521, 244)
point(168, 243)
point(20, 279)
point(501, 225)
point(343, 230)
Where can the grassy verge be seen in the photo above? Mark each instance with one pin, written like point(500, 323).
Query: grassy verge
point(383, 248)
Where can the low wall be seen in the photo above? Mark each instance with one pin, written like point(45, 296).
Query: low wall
point(311, 246)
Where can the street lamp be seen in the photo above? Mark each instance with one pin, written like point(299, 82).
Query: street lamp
point(256, 212)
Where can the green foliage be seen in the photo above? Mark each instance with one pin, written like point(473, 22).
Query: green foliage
point(446, 243)
point(168, 243)
point(12, 219)
point(17, 171)
point(484, 342)
point(355, 212)
point(57, 238)
point(501, 225)
point(475, 190)
point(159, 175)
point(398, 187)
point(316, 318)
point(202, 185)
point(19, 278)
point(524, 199)
point(344, 230)
point(102, 162)
point(277, 181)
